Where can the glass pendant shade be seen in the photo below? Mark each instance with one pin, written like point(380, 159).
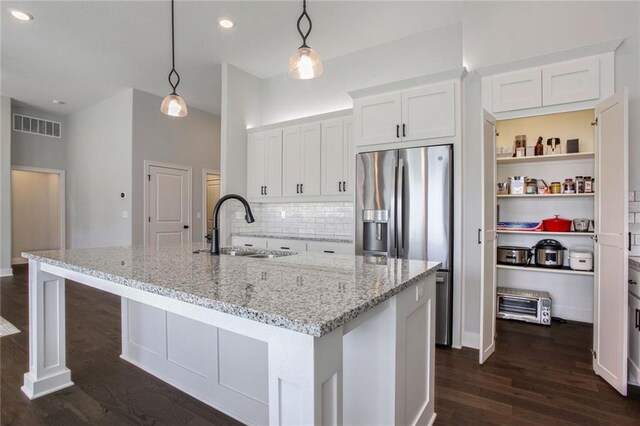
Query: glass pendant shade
point(174, 106)
point(305, 64)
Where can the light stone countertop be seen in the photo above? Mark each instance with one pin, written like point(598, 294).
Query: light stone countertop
point(311, 293)
point(634, 261)
point(297, 237)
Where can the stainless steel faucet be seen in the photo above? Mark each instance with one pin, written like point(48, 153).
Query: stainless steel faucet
point(215, 235)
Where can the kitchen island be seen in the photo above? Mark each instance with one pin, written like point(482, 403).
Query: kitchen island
point(297, 339)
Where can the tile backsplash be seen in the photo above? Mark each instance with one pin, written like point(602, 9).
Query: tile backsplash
point(322, 219)
point(634, 222)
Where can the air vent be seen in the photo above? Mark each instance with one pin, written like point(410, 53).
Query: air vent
point(36, 126)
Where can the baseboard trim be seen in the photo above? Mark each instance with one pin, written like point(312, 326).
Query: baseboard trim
point(470, 340)
point(19, 261)
point(6, 272)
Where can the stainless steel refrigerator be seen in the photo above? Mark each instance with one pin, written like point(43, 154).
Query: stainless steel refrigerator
point(404, 205)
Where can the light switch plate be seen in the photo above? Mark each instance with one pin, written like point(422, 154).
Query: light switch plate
point(198, 215)
point(125, 214)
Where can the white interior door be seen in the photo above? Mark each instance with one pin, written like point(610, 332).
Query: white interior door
point(488, 239)
point(169, 200)
point(213, 195)
point(291, 164)
point(310, 150)
point(611, 256)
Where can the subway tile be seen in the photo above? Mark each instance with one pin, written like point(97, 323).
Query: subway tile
point(632, 196)
point(634, 207)
point(636, 240)
point(637, 218)
point(637, 196)
point(632, 218)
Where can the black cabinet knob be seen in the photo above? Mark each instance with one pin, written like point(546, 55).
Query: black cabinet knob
point(186, 226)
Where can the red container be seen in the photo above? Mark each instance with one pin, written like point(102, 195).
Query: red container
point(556, 224)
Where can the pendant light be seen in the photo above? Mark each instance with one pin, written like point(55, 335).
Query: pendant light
point(305, 63)
point(173, 104)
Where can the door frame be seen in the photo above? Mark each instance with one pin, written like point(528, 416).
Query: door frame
point(62, 200)
point(147, 165)
point(206, 172)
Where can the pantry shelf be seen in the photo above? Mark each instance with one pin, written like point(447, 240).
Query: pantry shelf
point(571, 234)
point(545, 158)
point(542, 196)
point(563, 270)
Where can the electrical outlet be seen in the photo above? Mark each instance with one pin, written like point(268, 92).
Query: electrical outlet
point(125, 214)
point(198, 215)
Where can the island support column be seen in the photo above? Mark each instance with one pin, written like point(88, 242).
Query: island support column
point(48, 370)
point(305, 378)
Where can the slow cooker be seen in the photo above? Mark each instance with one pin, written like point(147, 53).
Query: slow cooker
point(549, 254)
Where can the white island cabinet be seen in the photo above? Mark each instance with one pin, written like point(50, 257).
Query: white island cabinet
point(304, 339)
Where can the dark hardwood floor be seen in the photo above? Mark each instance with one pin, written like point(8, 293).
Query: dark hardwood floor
point(539, 375)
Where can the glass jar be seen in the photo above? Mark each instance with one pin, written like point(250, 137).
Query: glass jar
point(569, 186)
point(531, 186)
point(579, 185)
point(588, 185)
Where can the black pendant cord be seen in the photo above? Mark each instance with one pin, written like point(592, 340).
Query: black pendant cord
point(173, 57)
point(304, 15)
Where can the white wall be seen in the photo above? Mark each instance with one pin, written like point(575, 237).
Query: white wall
point(99, 154)
point(35, 208)
point(5, 186)
point(499, 32)
point(32, 150)
point(241, 109)
point(427, 53)
point(190, 141)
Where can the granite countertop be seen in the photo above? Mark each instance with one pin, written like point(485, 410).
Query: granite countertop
point(311, 293)
point(634, 261)
point(298, 237)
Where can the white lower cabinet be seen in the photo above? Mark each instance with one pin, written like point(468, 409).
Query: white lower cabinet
point(249, 242)
point(286, 245)
point(330, 247)
point(634, 339)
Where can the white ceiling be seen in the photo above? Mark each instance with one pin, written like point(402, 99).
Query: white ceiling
point(85, 51)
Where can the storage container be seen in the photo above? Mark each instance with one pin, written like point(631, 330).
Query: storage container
point(516, 184)
point(581, 258)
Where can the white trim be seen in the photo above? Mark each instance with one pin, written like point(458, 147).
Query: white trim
point(19, 261)
point(62, 198)
point(6, 272)
point(471, 340)
point(204, 217)
point(149, 163)
point(302, 120)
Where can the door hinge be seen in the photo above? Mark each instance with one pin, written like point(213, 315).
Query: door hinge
point(594, 354)
point(497, 133)
point(595, 238)
point(149, 178)
point(595, 122)
point(149, 219)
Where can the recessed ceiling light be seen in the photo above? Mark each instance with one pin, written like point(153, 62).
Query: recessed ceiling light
point(58, 102)
point(226, 23)
point(21, 15)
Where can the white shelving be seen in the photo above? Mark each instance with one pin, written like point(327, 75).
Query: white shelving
point(564, 270)
point(543, 233)
point(546, 158)
point(545, 196)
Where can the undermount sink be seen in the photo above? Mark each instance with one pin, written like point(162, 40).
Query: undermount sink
point(240, 253)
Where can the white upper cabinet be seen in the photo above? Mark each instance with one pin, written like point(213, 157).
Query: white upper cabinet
point(423, 112)
point(264, 164)
point(571, 81)
point(517, 90)
point(337, 156)
point(428, 112)
point(378, 118)
point(301, 160)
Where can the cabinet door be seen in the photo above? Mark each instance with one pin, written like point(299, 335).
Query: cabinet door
point(378, 118)
point(255, 164)
point(332, 156)
point(428, 112)
point(349, 160)
point(310, 159)
point(611, 256)
point(634, 338)
point(249, 242)
point(571, 81)
point(273, 163)
point(291, 165)
point(489, 242)
point(517, 90)
point(287, 245)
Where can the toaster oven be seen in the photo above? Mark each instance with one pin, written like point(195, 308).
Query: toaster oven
point(524, 305)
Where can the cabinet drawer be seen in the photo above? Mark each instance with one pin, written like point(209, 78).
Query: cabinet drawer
point(287, 245)
point(517, 90)
point(571, 81)
point(634, 339)
point(337, 248)
point(251, 242)
point(634, 277)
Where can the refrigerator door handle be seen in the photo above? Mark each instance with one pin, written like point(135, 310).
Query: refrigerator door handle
point(400, 207)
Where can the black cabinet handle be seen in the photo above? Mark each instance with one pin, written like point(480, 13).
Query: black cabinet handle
point(404, 130)
point(285, 248)
point(186, 226)
point(329, 251)
point(297, 188)
point(638, 319)
point(248, 245)
point(397, 130)
point(339, 186)
point(632, 282)
point(344, 186)
point(629, 241)
point(265, 190)
point(479, 236)
point(301, 189)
